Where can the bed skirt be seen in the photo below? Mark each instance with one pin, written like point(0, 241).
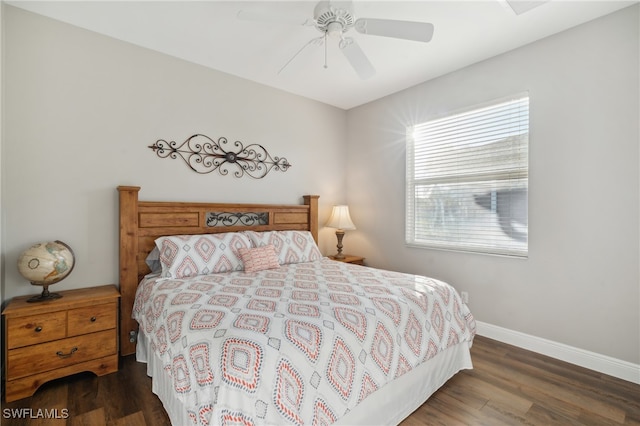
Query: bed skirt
point(388, 405)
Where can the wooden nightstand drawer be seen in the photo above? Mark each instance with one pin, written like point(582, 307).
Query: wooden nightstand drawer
point(31, 360)
point(91, 319)
point(32, 329)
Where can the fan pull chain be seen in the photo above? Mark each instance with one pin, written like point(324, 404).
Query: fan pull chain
point(325, 51)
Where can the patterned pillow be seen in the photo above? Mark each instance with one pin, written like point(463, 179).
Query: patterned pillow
point(290, 246)
point(259, 258)
point(185, 256)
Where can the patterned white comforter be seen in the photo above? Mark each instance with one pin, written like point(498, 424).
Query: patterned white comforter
point(302, 344)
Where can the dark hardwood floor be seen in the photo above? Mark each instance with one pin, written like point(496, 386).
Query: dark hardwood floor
point(512, 386)
point(508, 386)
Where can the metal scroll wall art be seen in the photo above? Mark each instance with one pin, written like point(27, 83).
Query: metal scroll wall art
point(204, 155)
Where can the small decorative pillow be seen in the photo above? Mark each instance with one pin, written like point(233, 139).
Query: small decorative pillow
point(259, 258)
point(185, 256)
point(290, 246)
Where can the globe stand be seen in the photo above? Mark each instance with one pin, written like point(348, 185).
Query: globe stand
point(45, 296)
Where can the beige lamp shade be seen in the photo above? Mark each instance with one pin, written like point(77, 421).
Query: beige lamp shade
point(340, 218)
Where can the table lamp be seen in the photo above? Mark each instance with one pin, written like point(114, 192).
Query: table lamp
point(340, 220)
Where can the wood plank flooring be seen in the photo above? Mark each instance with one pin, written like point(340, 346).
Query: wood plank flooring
point(512, 386)
point(508, 386)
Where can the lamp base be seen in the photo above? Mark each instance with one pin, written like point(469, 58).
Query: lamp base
point(44, 296)
point(340, 236)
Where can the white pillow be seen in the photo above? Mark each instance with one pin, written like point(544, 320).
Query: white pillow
point(290, 246)
point(185, 256)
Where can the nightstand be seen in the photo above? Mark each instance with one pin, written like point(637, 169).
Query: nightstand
point(356, 260)
point(57, 338)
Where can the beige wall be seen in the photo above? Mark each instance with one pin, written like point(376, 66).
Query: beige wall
point(82, 110)
point(580, 284)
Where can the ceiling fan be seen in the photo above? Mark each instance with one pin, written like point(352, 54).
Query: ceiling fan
point(334, 19)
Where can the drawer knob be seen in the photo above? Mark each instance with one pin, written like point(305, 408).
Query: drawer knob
point(93, 319)
point(38, 329)
point(63, 355)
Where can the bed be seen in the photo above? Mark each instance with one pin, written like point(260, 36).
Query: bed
point(260, 328)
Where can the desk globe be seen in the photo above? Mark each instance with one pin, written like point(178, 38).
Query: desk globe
point(45, 264)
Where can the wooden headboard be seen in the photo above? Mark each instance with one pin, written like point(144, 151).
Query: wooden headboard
point(141, 222)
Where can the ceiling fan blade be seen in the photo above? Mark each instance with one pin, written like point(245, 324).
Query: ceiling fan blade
point(314, 41)
point(408, 30)
point(357, 58)
point(248, 15)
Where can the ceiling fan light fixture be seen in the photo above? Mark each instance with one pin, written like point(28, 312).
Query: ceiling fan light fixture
point(328, 15)
point(335, 29)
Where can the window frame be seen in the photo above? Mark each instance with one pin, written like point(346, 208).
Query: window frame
point(512, 177)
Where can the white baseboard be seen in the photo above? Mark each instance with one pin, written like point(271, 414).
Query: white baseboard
point(591, 360)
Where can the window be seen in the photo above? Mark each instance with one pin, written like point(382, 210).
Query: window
point(467, 180)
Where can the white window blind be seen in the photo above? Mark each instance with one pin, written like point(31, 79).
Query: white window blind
point(467, 180)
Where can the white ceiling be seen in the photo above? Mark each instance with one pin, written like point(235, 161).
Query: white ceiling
point(208, 33)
